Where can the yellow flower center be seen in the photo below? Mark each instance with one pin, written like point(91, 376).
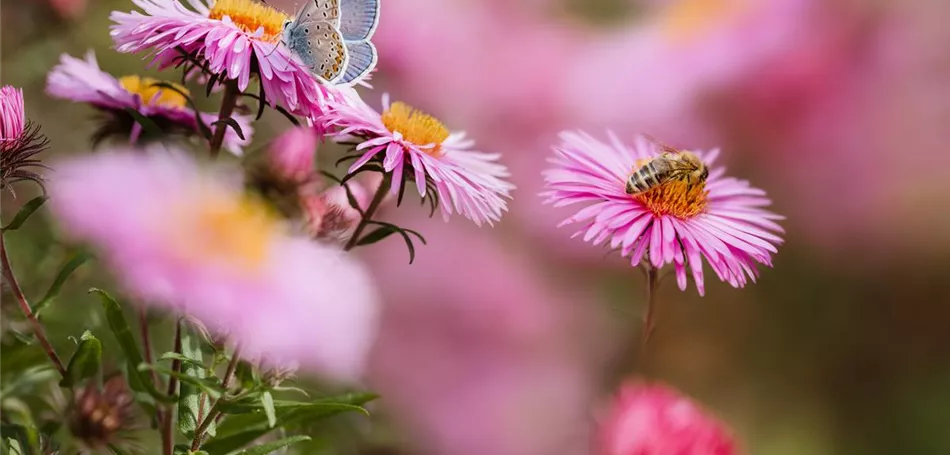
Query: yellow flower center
point(674, 197)
point(152, 94)
point(223, 229)
point(251, 16)
point(686, 19)
point(416, 127)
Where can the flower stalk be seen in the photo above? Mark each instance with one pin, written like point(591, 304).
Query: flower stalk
point(168, 436)
point(649, 319)
point(228, 103)
point(38, 330)
point(367, 215)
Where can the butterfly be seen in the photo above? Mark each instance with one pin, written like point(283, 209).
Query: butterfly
point(332, 38)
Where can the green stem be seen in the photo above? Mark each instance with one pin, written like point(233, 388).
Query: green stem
point(168, 437)
point(213, 413)
point(27, 311)
point(370, 211)
point(649, 320)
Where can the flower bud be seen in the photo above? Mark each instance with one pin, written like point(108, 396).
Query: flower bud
point(650, 419)
point(291, 156)
point(12, 114)
point(330, 216)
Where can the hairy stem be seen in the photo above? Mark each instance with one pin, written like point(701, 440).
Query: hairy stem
point(649, 320)
point(228, 103)
point(168, 436)
point(27, 311)
point(370, 211)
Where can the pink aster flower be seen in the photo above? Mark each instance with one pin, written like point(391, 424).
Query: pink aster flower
point(650, 419)
point(414, 146)
point(20, 140)
point(232, 39)
point(722, 220)
point(291, 156)
point(191, 240)
point(82, 81)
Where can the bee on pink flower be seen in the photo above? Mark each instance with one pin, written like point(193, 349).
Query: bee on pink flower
point(164, 103)
point(678, 222)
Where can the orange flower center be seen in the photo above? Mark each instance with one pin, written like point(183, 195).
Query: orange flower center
point(674, 197)
point(225, 229)
point(685, 20)
point(155, 95)
point(251, 16)
point(416, 126)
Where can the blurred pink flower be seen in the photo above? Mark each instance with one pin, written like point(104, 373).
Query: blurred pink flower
point(488, 358)
point(418, 146)
point(190, 240)
point(650, 419)
point(20, 141)
point(291, 156)
point(329, 215)
point(83, 81)
point(235, 39)
point(722, 220)
point(12, 113)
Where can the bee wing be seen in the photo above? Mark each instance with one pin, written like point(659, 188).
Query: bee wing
point(320, 46)
point(664, 148)
point(358, 19)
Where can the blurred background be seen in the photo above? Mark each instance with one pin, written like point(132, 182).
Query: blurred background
point(508, 340)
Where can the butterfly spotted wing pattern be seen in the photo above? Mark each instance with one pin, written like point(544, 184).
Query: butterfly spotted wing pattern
point(315, 37)
point(358, 19)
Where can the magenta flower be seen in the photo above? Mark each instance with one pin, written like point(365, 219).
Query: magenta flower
point(291, 156)
point(722, 220)
point(650, 419)
point(20, 140)
point(82, 81)
point(233, 39)
point(192, 241)
point(415, 146)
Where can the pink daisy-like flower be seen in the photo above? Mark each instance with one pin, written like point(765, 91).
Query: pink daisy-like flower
point(233, 39)
point(191, 240)
point(651, 419)
point(20, 140)
point(722, 220)
point(415, 146)
point(82, 81)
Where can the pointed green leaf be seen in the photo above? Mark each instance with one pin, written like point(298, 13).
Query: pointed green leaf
point(120, 328)
point(25, 212)
point(85, 361)
point(375, 236)
point(147, 124)
point(267, 401)
point(209, 386)
point(352, 200)
point(64, 273)
point(193, 405)
point(181, 358)
point(232, 123)
point(274, 446)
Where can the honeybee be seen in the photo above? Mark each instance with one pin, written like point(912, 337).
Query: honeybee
point(672, 164)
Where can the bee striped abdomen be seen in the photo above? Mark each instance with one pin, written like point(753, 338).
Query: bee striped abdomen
point(648, 176)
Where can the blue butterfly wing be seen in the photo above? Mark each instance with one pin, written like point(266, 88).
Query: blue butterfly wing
point(358, 19)
point(320, 46)
point(362, 60)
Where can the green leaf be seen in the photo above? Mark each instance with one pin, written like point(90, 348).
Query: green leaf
point(232, 123)
point(64, 273)
point(193, 405)
point(352, 200)
point(181, 358)
point(25, 212)
point(267, 401)
point(375, 236)
point(246, 375)
point(274, 446)
point(147, 124)
point(120, 328)
point(209, 386)
point(85, 361)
